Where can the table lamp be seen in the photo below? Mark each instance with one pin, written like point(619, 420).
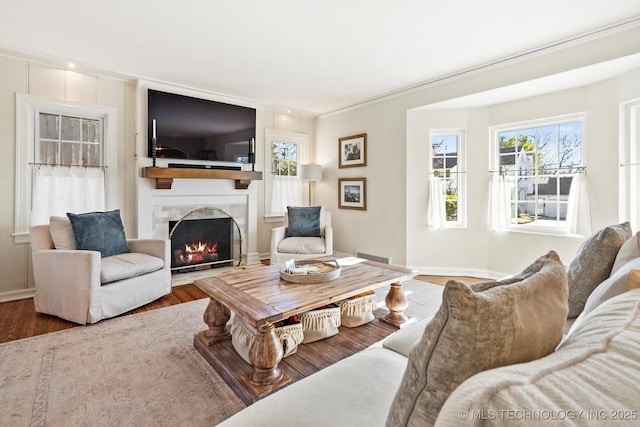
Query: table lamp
point(310, 173)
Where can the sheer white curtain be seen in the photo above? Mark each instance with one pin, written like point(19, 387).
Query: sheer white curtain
point(61, 189)
point(285, 191)
point(499, 207)
point(435, 204)
point(578, 216)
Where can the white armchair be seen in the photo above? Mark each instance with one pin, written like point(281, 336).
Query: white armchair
point(82, 287)
point(284, 248)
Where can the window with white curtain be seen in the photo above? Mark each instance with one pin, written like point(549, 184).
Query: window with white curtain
point(62, 159)
point(629, 178)
point(284, 152)
point(447, 181)
point(540, 164)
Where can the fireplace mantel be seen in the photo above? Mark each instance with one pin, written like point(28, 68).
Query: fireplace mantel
point(164, 176)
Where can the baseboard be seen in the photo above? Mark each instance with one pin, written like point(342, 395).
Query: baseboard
point(17, 295)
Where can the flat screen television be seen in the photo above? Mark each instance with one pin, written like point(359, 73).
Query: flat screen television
point(190, 128)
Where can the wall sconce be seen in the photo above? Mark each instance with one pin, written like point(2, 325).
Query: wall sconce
point(310, 173)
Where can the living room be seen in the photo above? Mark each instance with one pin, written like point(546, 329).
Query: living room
point(548, 83)
point(595, 72)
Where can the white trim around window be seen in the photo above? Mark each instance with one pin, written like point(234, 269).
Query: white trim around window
point(27, 109)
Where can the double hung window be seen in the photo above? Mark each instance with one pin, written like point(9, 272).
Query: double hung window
point(448, 177)
point(285, 152)
point(62, 155)
point(539, 161)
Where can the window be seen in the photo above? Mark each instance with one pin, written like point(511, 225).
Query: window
point(285, 151)
point(62, 155)
point(447, 166)
point(539, 160)
point(69, 141)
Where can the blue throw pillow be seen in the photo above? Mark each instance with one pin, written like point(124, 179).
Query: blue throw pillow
point(304, 222)
point(99, 231)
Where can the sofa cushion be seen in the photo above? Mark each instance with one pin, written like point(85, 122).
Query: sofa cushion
point(356, 391)
point(303, 221)
point(302, 245)
point(480, 327)
point(125, 266)
point(61, 233)
point(99, 231)
point(630, 250)
point(593, 263)
point(611, 287)
point(591, 376)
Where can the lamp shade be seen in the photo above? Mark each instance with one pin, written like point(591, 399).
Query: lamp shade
point(310, 172)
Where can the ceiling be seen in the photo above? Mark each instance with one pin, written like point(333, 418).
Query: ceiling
point(310, 57)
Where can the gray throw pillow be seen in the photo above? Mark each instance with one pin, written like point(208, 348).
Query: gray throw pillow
point(593, 263)
point(303, 221)
point(481, 327)
point(99, 231)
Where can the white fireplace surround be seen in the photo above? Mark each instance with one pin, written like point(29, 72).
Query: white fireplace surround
point(157, 207)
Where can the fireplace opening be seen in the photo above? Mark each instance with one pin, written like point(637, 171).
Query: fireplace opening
point(201, 243)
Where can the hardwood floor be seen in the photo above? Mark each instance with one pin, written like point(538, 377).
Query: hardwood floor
point(18, 319)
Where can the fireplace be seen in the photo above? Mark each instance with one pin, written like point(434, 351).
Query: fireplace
point(201, 243)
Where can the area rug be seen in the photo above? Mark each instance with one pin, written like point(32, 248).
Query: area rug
point(135, 370)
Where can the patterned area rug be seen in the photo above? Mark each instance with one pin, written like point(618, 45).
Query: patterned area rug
point(139, 370)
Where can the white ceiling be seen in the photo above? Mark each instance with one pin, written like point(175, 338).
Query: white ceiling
point(308, 56)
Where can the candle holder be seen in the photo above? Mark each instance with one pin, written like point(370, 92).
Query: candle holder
point(154, 142)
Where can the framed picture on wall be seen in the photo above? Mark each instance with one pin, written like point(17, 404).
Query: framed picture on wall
point(352, 193)
point(352, 151)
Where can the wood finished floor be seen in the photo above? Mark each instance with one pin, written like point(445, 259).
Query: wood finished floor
point(18, 319)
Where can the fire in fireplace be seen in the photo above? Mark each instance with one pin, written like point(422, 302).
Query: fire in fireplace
point(201, 243)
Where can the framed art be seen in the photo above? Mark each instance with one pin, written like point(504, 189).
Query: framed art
point(352, 151)
point(352, 193)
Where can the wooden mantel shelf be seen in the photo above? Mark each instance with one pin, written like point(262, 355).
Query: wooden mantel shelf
point(164, 176)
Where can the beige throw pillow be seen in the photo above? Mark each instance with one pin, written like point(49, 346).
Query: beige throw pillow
point(592, 265)
point(480, 327)
point(61, 233)
point(629, 251)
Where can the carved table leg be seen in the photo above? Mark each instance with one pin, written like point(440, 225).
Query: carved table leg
point(264, 354)
point(216, 317)
point(396, 302)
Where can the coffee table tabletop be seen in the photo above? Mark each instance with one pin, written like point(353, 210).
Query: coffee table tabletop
point(259, 295)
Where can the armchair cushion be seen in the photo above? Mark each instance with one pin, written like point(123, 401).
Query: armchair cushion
point(99, 231)
point(127, 265)
point(302, 245)
point(303, 221)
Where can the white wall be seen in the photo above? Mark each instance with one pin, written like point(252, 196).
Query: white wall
point(397, 129)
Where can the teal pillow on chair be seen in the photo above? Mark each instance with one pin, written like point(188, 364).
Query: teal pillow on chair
point(303, 221)
point(99, 231)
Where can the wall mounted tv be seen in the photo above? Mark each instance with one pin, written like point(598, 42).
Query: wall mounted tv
point(198, 129)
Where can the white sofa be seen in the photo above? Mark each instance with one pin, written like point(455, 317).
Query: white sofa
point(78, 285)
point(592, 378)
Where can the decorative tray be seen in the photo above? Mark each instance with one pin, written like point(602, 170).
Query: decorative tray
point(312, 272)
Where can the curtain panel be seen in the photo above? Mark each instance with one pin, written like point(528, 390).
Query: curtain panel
point(61, 189)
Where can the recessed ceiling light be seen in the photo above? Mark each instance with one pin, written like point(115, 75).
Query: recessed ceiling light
point(71, 65)
point(288, 111)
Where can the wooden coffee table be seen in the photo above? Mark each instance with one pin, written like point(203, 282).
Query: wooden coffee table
point(262, 298)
